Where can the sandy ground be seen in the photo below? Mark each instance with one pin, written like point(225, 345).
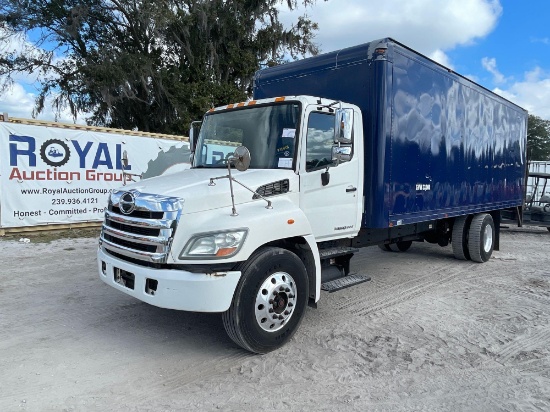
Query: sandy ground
point(427, 333)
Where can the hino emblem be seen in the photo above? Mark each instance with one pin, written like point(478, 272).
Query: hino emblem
point(127, 203)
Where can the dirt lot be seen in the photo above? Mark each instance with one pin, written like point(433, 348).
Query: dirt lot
point(427, 333)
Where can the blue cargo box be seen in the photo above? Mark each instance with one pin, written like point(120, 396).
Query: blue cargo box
point(437, 144)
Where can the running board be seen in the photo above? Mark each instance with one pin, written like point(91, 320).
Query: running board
point(336, 251)
point(344, 282)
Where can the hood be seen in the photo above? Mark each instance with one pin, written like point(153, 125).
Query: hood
point(192, 186)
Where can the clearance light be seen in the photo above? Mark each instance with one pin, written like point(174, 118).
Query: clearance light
point(240, 104)
point(230, 106)
point(290, 221)
point(279, 99)
point(252, 102)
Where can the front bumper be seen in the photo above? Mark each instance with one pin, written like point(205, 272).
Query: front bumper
point(174, 289)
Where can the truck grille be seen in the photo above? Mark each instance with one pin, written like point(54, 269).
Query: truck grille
point(140, 226)
point(272, 189)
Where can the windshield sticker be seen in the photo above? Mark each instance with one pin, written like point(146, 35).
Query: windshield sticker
point(289, 133)
point(285, 162)
point(284, 148)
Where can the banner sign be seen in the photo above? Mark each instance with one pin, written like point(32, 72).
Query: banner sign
point(51, 175)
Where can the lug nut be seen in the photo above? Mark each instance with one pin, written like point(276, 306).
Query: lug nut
point(282, 288)
point(270, 310)
point(290, 304)
point(286, 312)
point(287, 290)
point(281, 317)
point(291, 296)
point(275, 317)
point(271, 301)
point(275, 292)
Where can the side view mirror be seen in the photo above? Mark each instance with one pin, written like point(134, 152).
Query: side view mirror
point(127, 177)
point(194, 130)
point(343, 127)
point(125, 159)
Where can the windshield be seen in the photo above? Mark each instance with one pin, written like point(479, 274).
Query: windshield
point(269, 132)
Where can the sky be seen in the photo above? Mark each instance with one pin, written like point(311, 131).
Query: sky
point(504, 45)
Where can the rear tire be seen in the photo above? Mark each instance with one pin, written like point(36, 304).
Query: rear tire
point(459, 240)
point(481, 239)
point(404, 245)
point(269, 301)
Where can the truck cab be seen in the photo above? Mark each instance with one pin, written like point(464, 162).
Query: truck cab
point(239, 232)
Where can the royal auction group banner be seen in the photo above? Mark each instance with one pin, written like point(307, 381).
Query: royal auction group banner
point(51, 175)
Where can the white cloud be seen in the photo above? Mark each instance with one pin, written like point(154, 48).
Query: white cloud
point(425, 25)
point(18, 102)
point(532, 93)
point(441, 57)
point(14, 44)
point(490, 64)
point(433, 28)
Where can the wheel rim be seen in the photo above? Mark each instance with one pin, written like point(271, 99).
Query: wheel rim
point(487, 238)
point(275, 301)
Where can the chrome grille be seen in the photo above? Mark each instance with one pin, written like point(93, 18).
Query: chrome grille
point(146, 231)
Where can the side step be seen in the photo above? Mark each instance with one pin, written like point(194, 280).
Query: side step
point(344, 282)
point(336, 251)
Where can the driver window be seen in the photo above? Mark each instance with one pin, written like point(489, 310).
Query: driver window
point(319, 140)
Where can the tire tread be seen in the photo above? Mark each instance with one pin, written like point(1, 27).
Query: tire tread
point(457, 239)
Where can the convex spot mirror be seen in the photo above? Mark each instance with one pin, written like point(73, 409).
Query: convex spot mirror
point(343, 127)
point(241, 158)
point(341, 154)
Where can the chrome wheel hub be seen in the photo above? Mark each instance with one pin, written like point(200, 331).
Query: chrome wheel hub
point(487, 238)
point(275, 301)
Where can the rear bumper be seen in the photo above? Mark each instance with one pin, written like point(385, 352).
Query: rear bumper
point(175, 289)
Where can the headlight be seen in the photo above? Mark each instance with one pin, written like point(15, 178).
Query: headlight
point(214, 244)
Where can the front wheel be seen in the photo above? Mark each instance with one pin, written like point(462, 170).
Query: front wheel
point(269, 301)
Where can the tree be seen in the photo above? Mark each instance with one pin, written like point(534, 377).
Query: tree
point(150, 65)
point(538, 138)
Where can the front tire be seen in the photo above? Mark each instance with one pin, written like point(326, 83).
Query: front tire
point(481, 239)
point(269, 300)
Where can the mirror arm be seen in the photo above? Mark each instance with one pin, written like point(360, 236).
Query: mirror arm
point(269, 206)
point(241, 160)
point(125, 176)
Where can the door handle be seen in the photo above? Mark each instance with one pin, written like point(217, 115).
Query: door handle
point(351, 189)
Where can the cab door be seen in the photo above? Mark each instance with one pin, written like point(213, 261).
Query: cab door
point(331, 192)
